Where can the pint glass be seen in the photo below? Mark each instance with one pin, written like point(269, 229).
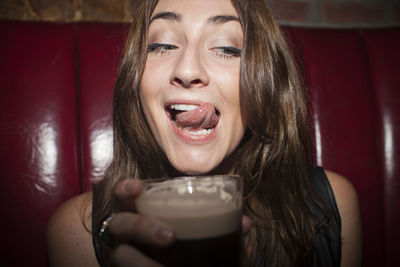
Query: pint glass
point(206, 214)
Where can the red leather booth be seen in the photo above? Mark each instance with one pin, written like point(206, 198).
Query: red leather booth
point(56, 83)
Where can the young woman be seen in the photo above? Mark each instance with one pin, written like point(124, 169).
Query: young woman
point(208, 87)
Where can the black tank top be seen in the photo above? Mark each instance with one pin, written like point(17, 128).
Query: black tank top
point(327, 249)
point(328, 242)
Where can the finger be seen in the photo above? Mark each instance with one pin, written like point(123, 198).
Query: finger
point(126, 256)
point(129, 227)
point(246, 224)
point(126, 192)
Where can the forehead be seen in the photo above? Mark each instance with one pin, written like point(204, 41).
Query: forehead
point(196, 7)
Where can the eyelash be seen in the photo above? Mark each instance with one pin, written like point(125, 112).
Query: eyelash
point(226, 52)
point(161, 49)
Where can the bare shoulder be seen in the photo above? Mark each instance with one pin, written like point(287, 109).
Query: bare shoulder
point(343, 189)
point(347, 202)
point(69, 237)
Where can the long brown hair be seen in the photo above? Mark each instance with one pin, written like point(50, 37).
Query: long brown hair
point(274, 156)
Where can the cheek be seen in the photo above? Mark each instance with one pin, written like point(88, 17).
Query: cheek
point(228, 84)
point(143, 104)
point(231, 95)
point(146, 84)
point(149, 85)
point(147, 96)
point(144, 94)
point(226, 75)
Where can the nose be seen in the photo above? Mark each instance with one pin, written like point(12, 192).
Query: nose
point(189, 70)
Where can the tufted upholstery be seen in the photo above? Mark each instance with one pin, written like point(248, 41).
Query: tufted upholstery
point(56, 83)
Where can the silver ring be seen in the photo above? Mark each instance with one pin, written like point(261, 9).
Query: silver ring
point(104, 232)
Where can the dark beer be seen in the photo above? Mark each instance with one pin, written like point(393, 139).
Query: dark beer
point(206, 217)
point(209, 252)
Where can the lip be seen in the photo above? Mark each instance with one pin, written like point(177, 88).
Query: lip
point(183, 135)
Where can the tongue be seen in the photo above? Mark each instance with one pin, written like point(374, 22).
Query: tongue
point(202, 117)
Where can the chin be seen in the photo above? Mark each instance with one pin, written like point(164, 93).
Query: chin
point(193, 168)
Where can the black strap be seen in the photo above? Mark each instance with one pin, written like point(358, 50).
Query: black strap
point(95, 230)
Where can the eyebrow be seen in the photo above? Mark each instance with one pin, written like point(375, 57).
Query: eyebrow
point(220, 19)
point(166, 15)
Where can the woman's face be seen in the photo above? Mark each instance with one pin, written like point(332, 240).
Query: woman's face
point(189, 91)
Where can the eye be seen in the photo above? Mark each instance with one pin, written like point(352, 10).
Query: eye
point(161, 49)
point(228, 52)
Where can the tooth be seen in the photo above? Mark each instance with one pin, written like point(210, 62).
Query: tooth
point(201, 132)
point(183, 107)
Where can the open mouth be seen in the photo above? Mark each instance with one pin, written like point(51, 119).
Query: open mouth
point(194, 119)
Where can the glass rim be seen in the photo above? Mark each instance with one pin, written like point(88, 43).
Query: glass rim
point(190, 178)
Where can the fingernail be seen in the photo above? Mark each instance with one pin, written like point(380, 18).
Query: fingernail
point(163, 234)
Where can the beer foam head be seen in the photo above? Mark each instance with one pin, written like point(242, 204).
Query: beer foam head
point(196, 208)
point(189, 196)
